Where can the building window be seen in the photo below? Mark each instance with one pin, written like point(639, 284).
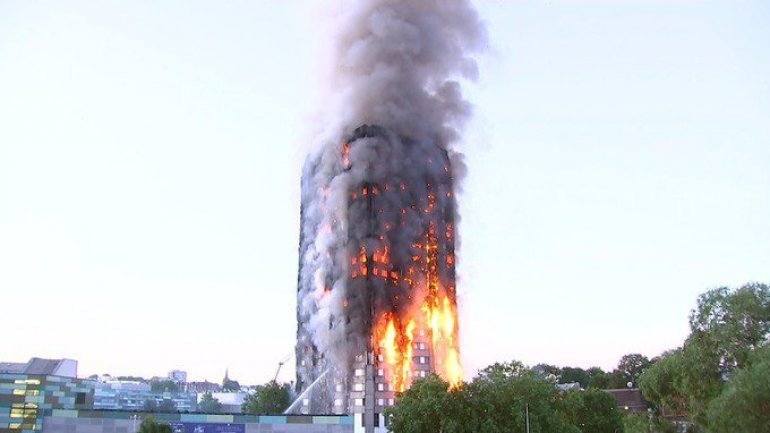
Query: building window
point(359, 372)
point(305, 402)
point(380, 387)
point(358, 387)
point(380, 372)
point(80, 398)
point(381, 402)
point(390, 402)
point(422, 360)
point(338, 402)
point(376, 420)
point(338, 387)
point(359, 402)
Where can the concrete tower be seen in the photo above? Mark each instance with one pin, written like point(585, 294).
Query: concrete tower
point(376, 293)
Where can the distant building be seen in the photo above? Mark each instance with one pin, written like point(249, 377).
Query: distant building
point(178, 376)
point(30, 390)
point(73, 421)
point(202, 387)
point(567, 386)
point(231, 401)
point(133, 395)
point(50, 367)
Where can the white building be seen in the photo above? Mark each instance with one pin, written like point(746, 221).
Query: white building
point(178, 376)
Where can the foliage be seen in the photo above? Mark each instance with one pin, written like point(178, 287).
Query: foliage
point(209, 404)
point(592, 411)
point(631, 366)
point(616, 380)
point(575, 374)
point(269, 399)
point(164, 386)
point(745, 403)
point(150, 405)
point(662, 385)
point(597, 378)
point(132, 379)
point(229, 385)
point(167, 405)
point(150, 426)
point(707, 377)
point(636, 423)
point(497, 400)
point(547, 371)
point(428, 406)
point(506, 370)
point(737, 322)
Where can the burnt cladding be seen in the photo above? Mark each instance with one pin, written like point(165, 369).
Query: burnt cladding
point(376, 271)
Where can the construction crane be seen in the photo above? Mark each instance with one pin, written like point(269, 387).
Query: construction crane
point(280, 364)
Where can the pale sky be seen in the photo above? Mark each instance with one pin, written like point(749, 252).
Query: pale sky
point(619, 165)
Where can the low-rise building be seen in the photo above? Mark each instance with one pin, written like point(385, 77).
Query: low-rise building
point(133, 395)
point(231, 401)
point(29, 390)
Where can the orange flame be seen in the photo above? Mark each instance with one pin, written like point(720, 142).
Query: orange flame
point(433, 313)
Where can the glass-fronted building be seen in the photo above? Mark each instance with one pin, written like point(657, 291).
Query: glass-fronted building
point(29, 389)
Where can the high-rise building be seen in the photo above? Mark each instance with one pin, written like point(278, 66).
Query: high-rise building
point(376, 293)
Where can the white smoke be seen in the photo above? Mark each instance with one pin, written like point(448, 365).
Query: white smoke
point(397, 65)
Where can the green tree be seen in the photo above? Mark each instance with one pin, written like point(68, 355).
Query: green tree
point(496, 401)
point(593, 411)
point(744, 406)
point(636, 423)
point(727, 327)
point(736, 322)
point(575, 374)
point(429, 407)
point(167, 405)
point(631, 366)
point(662, 383)
point(616, 380)
point(547, 371)
point(150, 405)
point(209, 404)
point(269, 399)
point(229, 385)
point(133, 378)
point(164, 386)
point(598, 378)
point(150, 426)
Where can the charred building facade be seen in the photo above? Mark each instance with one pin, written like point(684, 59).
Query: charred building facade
point(376, 288)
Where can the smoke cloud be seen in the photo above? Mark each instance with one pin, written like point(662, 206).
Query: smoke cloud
point(396, 67)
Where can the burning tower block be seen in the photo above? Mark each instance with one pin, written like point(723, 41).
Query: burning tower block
point(376, 291)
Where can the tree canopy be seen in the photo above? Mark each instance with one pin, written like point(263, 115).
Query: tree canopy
point(209, 404)
point(164, 386)
point(497, 400)
point(715, 372)
point(150, 426)
point(269, 399)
